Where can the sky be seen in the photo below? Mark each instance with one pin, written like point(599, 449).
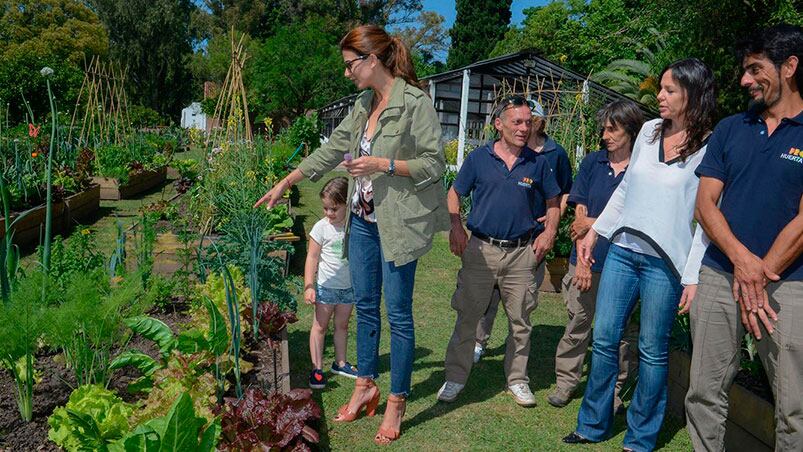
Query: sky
point(446, 8)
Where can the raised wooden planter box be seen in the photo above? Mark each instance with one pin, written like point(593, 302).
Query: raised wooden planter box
point(554, 272)
point(167, 250)
point(83, 206)
point(73, 209)
point(751, 419)
point(273, 366)
point(112, 189)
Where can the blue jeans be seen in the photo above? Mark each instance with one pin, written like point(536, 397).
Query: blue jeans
point(626, 277)
point(369, 275)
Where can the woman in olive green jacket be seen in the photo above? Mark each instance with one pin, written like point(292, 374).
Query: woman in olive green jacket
point(397, 204)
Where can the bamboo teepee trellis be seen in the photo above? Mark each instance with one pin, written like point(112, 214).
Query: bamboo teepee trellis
point(102, 105)
point(566, 106)
point(231, 109)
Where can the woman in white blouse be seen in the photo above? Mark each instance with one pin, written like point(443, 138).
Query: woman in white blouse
point(649, 223)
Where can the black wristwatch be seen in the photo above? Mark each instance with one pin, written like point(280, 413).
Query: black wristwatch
point(391, 168)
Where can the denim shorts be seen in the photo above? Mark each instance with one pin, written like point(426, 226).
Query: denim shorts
point(325, 295)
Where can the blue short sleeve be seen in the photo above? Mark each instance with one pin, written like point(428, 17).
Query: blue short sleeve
point(464, 182)
point(579, 191)
point(563, 171)
point(713, 164)
point(548, 182)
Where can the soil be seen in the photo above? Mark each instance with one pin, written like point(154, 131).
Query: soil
point(54, 390)
point(58, 382)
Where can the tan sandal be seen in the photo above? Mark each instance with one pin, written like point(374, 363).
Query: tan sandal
point(386, 435)
point(365, 384)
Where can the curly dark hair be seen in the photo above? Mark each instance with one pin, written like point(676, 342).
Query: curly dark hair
point(697, 81)
point(777, 43)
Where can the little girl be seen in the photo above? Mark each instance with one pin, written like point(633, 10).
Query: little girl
point(332, 294)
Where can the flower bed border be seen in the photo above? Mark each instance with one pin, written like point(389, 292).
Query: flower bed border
point(751, 419)
point(72, 209)
point(554, 271)
point(111, 188)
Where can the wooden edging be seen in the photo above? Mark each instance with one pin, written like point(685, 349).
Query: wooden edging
point(554, 271)
point(73, 209)
point(751, 419)
point(112, 189)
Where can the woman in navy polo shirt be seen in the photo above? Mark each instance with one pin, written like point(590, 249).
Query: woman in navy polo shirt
point(648, 221)
point(598, 176)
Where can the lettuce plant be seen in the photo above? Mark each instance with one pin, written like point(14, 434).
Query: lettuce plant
point(272, 320)
point(93, 418)
point(275, 422)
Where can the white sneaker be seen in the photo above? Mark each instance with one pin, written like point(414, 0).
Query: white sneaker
point(449, 391)
point(479, 350)
point(522, 394)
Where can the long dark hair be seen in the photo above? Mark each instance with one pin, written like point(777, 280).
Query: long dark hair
point(697, 80)
point(390, 50)
point(624, 114)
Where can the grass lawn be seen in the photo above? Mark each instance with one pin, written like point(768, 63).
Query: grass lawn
point(483, 417)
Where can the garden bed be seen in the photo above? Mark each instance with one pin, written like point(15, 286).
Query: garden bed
point(112, 189)
point(554, 271)
point(76, 208)
point(168, 249)
point(271, 372)
point(751, 417)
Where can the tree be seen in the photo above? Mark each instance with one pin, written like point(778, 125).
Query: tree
point(588, 36)
point(152, 38)
point(60, 34)
point(297, 69)
point(478, 26)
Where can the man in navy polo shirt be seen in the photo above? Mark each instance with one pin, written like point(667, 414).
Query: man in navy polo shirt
point(511, 187)
point(558, 160)
point(752, 274)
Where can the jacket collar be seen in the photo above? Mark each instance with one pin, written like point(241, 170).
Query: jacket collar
point(396, 100)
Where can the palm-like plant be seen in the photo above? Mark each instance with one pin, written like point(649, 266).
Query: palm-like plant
point(636, 79)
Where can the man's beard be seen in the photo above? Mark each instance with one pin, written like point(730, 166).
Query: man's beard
point(758, 106)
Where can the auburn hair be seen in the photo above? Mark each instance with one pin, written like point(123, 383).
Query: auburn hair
point(390, 50)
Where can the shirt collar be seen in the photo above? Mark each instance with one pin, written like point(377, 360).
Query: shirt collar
point(603, 156)
point(526, 152)
point(753, 117)
point(549, 145)
point(798, 119)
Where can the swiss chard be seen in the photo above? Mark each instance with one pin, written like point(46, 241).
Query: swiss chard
point(179, 430)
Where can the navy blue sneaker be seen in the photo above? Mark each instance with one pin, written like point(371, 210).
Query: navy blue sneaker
point(347, 370)
point(317, 380)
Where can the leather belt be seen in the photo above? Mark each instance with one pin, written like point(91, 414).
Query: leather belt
point(512, 243)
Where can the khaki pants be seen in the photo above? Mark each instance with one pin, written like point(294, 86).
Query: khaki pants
point(571, 351)
point(717, 333)
point(486, 323)
point(514, 270)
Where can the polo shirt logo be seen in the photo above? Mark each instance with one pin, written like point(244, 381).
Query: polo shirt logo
point(794, 154)
point(526, 182)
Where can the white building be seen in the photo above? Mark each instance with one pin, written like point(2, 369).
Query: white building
point(193, 117)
